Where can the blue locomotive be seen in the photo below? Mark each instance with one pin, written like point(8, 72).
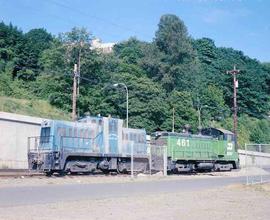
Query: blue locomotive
point(90, 144)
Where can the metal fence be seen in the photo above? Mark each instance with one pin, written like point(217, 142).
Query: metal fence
point(257, 163)
point(157, 160)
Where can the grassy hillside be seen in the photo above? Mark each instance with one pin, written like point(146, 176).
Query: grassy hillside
point(38, 108)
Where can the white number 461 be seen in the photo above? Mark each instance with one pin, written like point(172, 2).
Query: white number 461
point(182, 143)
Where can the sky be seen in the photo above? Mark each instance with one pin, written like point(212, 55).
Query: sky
point(240, 24)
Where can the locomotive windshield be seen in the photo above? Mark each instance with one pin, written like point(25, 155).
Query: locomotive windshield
point(229, 137)
point(45, 135)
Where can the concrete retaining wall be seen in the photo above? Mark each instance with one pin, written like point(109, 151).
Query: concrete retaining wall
point(14, 131)
point(251, 158)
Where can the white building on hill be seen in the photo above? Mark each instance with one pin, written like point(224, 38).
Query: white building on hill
point(97, 44)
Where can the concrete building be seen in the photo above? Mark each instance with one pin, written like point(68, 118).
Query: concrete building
point(15, 130)
point(97, 44)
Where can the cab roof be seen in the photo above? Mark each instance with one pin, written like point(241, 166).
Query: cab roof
point(224, 131)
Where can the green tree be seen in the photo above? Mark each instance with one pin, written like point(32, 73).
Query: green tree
point(172, 38)
point(57, 69)
point(179, 59)
point(172, 71)
point(261, 132)
point(185, 114)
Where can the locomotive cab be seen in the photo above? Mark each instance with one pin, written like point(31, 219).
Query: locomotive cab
point(45, 141)
point(219, 134)
point(224, 148)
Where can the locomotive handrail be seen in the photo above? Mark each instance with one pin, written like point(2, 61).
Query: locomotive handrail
point(77, 138)
point(40, 136)
point(38, 142)
point(81, 137)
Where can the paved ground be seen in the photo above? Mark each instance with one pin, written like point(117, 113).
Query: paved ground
point(228, 202)
point(174, 197)
point(31, 195)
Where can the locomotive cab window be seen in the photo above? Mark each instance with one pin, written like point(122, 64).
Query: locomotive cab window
point(229, 137)
point(221, 137)
point(45, 135)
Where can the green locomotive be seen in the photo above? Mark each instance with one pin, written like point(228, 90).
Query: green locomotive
point(213, 149)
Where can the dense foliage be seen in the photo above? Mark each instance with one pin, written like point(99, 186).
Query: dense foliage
point(174, 71)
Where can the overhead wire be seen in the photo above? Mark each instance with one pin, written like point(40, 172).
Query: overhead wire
point(77, 11)
point(37, 11)
point(105, 21)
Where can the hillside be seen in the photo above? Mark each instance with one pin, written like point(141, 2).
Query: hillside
point(37, 108)
point(172, 72)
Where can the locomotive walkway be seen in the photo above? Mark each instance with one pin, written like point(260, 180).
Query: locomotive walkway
point(31, 195)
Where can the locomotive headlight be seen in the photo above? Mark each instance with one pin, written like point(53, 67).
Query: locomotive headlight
point(229, 148)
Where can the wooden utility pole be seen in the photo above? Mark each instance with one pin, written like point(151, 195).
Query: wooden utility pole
point(173, 111)
point(78, 77)
point(74, 95)
point(234, 72)
point(79, 68)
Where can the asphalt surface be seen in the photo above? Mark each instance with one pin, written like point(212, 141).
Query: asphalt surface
point(31, 195)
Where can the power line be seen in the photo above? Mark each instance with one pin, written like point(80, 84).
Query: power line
point(38, 10)
point(105, 21)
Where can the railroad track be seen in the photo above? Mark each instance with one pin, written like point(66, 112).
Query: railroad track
point(28, 174)
point(18, 173)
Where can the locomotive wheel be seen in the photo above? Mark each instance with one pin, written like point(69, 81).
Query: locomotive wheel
point(122, 172)
point(49, 173)
point(62, 173)
point(106, 172)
